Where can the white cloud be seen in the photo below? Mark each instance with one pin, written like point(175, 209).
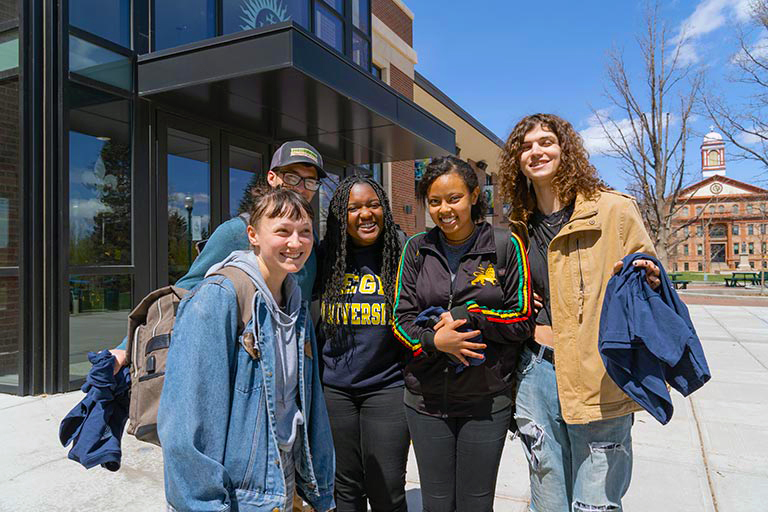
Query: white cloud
point(708, 16)
point(749, 138)
point(597, 141)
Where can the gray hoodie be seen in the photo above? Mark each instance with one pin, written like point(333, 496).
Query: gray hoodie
point(287, 411)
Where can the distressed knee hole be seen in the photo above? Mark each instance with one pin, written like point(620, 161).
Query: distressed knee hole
point(606, 448)
point(532, 435)
point(583, 507)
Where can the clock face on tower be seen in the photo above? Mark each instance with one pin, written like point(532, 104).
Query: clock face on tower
point(716, 188)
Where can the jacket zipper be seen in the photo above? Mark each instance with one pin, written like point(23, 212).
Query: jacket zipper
point(581, 282)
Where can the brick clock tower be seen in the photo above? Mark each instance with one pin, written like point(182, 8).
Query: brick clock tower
point(712, 154)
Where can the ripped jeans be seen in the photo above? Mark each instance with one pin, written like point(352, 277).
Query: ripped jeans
point(573, 468)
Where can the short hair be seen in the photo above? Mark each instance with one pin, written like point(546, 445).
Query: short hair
point(446, 165)
point(278, 202)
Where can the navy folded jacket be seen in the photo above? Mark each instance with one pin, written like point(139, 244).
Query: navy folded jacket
point(95, 425)
point(429, 318)
point(647, 340)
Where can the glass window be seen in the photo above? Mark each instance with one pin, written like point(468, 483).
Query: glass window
point(189, 199)
point(749, 209)
point(100, 185)
point(110, 19)
point(249, 14)
point(751, 248)
point(360, 51)
point(717, 231)
point(325, 194)
point(750, 229)
point(699, 249)
point(97, 309)
point(711, 209)
point(736, 248)
point(244, 172)
point(762, 247)
point(686, 231)
point(698, 210)
point(721, 209)
point(699, 267)
point(735, 229)
point(180, 22)
point(336, 4)
point(685, 250)
point(735, 209)
point(743, 247)
point(9, 10)
point(699, 231)
point(376, 71)
point(100, 64)
point(717, 253)
point(10, 302)
point(360, 10)
point(762, 229)
point(9, 50)
point(713, 158)
point(329, 28)
point(685, 266)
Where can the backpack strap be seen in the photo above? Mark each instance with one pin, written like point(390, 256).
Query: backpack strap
point(501, 240)
point(245, 290)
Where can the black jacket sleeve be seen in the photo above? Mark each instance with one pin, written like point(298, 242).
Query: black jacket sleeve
point(417, 340)
point(513, 322)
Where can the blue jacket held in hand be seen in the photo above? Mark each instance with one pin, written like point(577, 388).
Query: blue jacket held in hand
point(430, 317)
point(647, 340)
point(217, 416)
point(95, 425)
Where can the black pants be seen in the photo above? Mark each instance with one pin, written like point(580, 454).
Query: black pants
point(371, 438)
point(458, 459)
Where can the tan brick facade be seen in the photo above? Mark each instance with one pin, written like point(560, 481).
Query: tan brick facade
point(394, 17)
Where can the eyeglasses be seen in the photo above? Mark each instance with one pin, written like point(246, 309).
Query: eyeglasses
point(293, 180)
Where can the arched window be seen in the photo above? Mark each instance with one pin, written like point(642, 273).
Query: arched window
point(735, 209)
point(713, 158)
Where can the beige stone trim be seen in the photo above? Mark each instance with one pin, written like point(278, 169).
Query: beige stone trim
point(396, 42)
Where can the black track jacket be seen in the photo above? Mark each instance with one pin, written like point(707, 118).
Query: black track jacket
point(499, 308)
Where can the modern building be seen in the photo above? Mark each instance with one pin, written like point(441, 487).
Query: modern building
point(130, 129)
point(723, 222)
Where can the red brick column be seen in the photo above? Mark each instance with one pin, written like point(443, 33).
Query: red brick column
point(403, 182)
point(393, 17)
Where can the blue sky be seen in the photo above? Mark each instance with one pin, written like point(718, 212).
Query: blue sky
point(503, 59)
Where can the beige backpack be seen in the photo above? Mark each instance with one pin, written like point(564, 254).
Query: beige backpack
point(150, 326)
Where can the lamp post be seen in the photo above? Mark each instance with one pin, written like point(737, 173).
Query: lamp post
point(189, 203)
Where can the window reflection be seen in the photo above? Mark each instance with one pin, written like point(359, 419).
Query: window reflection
point(100, 64)
point(9, 50)
point(249, 14)
point(328, 27)
point(180, 22)
point(100, 185)
point(360, 9)
point(110, 19)
point(324, 195)
point(9, 178)
point(9, 331)
point(360, 51)
point(97, 310)
point(244, 172)
point(189, 204)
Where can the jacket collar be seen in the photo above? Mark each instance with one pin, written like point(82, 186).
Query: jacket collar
point(584, 217)
point(484, 242)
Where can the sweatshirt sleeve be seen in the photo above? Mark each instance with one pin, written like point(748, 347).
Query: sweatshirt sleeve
point(512, 322)
point(193, 415)
point(228, 237)
point(416, 339)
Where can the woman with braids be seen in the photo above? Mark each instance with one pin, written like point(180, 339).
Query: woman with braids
point(573, 420)
point(463, 295)
point(361, 363)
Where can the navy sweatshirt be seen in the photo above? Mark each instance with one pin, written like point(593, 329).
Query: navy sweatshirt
point(364, 354)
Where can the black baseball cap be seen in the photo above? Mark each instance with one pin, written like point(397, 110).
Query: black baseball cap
point(298, 152)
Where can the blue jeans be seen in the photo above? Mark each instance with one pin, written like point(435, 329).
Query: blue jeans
point(573, 468)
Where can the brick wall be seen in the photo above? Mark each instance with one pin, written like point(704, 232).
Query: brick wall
point(9, 228)
point(393, 17)
point(403, 182)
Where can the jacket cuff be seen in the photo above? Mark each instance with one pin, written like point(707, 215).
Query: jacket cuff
point(323, 502)
point(427, 340)
point(461, 313)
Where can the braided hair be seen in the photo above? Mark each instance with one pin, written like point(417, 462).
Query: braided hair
point(334, 263)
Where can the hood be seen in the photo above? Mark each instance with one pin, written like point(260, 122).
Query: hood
point(248, 262)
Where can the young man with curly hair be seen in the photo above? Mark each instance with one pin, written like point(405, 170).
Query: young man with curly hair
point(574, 422)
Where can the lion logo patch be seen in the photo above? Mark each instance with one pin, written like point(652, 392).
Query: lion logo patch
point(485, 276)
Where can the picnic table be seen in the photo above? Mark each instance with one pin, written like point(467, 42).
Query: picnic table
point(677, 281)
point(741, 279)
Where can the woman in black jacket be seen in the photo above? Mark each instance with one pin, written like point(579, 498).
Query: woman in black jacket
point(458, 399)
point(361, 365)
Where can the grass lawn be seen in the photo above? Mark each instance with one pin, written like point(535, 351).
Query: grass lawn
point(699, 276)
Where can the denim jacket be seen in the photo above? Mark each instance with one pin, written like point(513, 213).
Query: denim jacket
point(217, 412)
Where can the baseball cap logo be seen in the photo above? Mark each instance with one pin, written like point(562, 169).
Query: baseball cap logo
point(306, 153)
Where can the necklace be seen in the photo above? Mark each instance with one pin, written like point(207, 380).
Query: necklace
point(459, 242)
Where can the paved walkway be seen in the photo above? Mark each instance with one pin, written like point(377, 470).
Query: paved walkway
point(712, 456)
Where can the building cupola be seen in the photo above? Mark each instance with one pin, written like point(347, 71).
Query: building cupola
point(712, 154)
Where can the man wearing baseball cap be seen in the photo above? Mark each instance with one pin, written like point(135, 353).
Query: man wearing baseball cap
point(295, 165)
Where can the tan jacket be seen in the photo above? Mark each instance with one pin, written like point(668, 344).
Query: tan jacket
point(580, 260)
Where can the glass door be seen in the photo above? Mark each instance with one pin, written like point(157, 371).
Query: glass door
point(244, 164)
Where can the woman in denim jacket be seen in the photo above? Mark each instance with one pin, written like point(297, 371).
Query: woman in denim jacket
point(242, 419)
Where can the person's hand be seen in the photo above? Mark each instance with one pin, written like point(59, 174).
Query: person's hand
point(538, 303)
point(445, 318)
point(652, 272)
point(451, 341)
point(544, 335)
point(119, 359)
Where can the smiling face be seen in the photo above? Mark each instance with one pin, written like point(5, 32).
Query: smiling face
point(450, 205)
point(540, 155)
point(365, 215)
point(282, 244)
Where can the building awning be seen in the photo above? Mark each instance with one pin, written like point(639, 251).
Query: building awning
point(282, 83)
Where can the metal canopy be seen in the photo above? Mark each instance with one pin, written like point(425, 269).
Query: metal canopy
point(282, 83)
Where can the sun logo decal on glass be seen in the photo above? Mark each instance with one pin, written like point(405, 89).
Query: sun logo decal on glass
point(261, 13)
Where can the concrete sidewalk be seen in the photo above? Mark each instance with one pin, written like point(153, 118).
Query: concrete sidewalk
point(712, 456)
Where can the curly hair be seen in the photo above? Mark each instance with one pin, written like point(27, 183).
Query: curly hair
point(334, 265)
point(574, 176)
point(447, 164)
